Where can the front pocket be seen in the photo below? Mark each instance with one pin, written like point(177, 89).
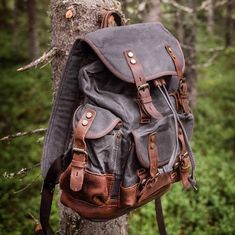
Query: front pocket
point(103, 140)
point(166, 141)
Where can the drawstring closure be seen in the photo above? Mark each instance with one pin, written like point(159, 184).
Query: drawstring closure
point(169, 167)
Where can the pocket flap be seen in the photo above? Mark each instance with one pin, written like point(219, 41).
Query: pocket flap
point(104, 122)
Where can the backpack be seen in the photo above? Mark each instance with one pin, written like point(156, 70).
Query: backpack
point(119, 132)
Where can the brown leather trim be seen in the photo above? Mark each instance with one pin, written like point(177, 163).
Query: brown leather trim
point(128, 196)
point(79, 158)
point(153, 153)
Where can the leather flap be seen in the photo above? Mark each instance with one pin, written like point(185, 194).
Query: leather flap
point(104, 121)
point(147, 41)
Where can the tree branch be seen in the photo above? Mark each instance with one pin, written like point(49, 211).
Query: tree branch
point(19, 134)
point(44, 59)
point(179, 6)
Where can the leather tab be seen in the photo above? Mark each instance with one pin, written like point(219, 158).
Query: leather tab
point(79, 156)
point(153, 154)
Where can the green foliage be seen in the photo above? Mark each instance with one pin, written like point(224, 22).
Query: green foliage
point(25, 105)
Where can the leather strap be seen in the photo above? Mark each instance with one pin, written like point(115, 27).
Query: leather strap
point(183, 91)
point(111, 18)
point(153, 154)
point(144, 96)
point(79, 150)
point(47, 196)
point(160, 217)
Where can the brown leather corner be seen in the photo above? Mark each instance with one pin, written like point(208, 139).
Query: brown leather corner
point(128, 196)
point(153, 188)
point(153, 153)
point(95, 189)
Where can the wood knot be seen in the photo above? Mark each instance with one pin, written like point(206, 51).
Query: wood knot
point(70, 13)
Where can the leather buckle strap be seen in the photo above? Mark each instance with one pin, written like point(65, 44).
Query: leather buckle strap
point(143, 88)
point(183, 86)
point(79, 150)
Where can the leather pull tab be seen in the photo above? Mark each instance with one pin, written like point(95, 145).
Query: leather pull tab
point(77, 173)
point(153, 154)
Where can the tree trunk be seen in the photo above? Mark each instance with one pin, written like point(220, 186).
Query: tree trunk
point(190, 52)
point(32, 29)
point(210, 17)
point(71, 19)
point(228, 23)
point(152, 11)
point(15, 27)
point(178, 24)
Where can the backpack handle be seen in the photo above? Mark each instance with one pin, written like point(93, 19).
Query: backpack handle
point(111, 19)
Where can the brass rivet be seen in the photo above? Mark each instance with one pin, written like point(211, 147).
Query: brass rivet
point(169, 49)
point(152, 145)
point(69, 14)
point(130, 54)
point(133, 61)
point(84, 122)
point(89, 115)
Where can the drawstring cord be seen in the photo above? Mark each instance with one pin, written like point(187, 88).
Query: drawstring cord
point(191, 178)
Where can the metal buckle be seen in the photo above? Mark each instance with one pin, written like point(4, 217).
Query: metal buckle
point(143, 87)
point(78, 150)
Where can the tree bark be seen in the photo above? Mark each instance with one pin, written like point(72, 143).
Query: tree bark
point(228, 23)
point(152, 11)
point(69, 20)
point(178, 23)
point(32, 29)
point(210, 17)
point(189, 28)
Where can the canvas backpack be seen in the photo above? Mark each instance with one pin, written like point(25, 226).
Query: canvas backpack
point(119, 132)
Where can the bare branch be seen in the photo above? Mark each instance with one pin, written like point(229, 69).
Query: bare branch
point(47, 56)
point(203, 6)
point(25, 133)
point(28, 185)
point(179, 6)
point(21, 173)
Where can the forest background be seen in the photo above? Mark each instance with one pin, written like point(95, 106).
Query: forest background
point(206, 30)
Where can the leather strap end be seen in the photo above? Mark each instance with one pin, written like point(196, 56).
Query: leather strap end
point(76, 179)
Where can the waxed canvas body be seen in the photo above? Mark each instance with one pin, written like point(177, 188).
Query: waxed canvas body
point(119, 149)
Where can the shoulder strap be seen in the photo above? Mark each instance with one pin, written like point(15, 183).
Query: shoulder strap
point(67, 99)
point(160, 217)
